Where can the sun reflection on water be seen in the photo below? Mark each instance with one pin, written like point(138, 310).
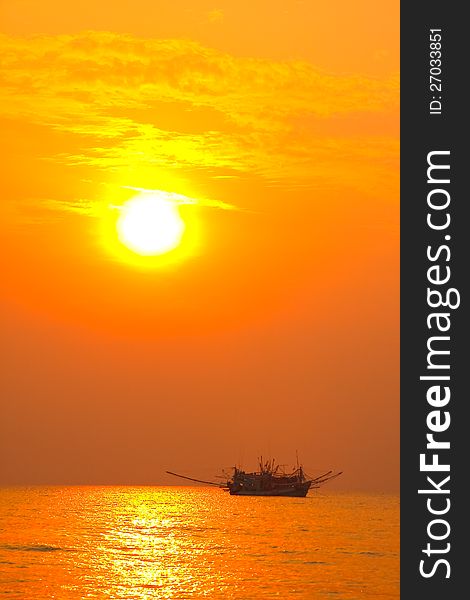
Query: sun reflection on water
point(184, 543)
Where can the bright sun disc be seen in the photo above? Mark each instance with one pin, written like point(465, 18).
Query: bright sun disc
point(150, 225)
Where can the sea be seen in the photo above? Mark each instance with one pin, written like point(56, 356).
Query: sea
point(177, 543)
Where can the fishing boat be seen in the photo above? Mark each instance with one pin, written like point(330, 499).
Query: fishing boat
point(269, 480)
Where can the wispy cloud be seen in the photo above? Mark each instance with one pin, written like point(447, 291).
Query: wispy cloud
point(174, 103)
point(181, 199)
point(106, 70)
point(82, 207)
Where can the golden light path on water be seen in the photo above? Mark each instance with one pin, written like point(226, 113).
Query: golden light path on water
point(181, 543)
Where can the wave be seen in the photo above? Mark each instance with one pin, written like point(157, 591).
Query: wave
point(35, 548)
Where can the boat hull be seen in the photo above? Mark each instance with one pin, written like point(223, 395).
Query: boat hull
point(298, 491)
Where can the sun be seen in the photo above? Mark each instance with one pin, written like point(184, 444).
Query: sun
point(152, 229)
point(150, 225)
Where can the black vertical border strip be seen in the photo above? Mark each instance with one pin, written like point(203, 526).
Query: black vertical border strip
point(421, 133)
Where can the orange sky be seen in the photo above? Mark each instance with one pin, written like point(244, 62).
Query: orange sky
point(278, 331)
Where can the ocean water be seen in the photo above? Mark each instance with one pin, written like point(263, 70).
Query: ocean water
point(75, 543)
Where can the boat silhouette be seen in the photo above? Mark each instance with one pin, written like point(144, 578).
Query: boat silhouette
point(269, 480)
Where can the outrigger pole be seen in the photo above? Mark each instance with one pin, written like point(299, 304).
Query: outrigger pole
point(192, 479)
point(324, 478)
